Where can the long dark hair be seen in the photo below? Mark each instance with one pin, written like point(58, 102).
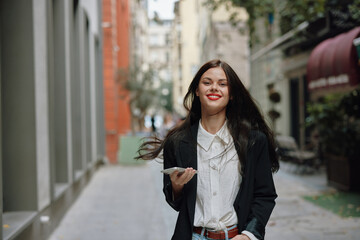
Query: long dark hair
point(242, 115)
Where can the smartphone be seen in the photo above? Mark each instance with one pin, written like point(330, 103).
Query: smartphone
point(173, 169)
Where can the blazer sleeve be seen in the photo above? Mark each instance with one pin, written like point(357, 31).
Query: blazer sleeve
point(169, 162)
point(264, 194)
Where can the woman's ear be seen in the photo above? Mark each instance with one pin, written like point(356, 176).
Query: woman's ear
point(197, 92)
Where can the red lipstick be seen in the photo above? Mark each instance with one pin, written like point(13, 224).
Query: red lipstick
point(213, 96)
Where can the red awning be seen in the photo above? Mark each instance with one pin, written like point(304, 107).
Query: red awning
point(334, 63)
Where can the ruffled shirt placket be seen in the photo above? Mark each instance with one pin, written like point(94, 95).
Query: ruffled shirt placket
point(214, 208)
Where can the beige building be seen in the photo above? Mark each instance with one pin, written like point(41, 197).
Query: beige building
point(200, 35)
point(139, 52)
point(270, 69)
point(176, 62)
point(160, 44)
point(227, 42)
point(139, 36)
point(186, 48)
point(266, 62)
point(160, 47)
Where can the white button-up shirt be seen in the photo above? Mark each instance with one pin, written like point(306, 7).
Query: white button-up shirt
point(218, 180)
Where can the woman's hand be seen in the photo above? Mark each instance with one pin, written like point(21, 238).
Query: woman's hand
point(241, 237)
point(178, 180)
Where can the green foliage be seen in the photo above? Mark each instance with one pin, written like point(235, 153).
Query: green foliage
point(345, 204)
point(255, 9)
point(291, 12)
point(354, 9)
point(165, 93)
point(142, 92)
point(295, 12)
point(337, 119)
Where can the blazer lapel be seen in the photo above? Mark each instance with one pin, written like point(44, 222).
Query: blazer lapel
point(187, 148)
point(188, 155)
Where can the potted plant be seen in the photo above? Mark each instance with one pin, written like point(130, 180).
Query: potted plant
point(336, 117)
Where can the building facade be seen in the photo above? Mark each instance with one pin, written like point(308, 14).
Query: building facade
point(52, 134)
point(160, 44)
point(139, 55)
point(139, 36)
point(116, 30)
point(186, 48)
point(199, 35)
point(176, 61)
point(228, 42)
point(310, 61)
point(266, 72)
point(160, 47)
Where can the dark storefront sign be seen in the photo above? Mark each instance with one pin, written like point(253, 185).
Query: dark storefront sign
point(334, 63)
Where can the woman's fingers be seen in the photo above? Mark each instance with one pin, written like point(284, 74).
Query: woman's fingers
point(187, 175)
point(182, 178)
point(178, 180)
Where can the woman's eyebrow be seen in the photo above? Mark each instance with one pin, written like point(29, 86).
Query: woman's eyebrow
point(209, 78)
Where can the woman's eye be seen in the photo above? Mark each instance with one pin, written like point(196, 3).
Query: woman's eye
point(223, 84)
point(206, 83)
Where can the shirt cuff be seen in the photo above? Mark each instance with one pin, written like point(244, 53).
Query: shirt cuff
point(250, 235)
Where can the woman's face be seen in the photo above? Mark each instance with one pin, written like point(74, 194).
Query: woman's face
point(213, 91)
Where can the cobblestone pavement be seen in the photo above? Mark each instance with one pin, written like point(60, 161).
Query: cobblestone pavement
point(126, 202)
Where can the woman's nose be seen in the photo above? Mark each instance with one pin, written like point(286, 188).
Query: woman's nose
point(214, 87)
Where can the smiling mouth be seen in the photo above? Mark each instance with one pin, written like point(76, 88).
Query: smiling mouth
point(213, 96)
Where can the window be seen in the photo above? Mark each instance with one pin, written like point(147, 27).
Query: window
point(154, 40)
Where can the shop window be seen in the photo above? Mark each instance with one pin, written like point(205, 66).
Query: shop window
point(87, 95)
point(57, 99)
point(76, 125)
point(18, 133)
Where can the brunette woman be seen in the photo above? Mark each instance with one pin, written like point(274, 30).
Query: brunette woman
point(227, 190)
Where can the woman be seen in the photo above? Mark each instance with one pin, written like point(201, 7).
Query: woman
point(225, 138)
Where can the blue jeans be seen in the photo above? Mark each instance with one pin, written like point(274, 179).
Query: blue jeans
point(201, 236)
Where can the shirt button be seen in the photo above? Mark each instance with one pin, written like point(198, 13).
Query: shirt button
point(214, 193)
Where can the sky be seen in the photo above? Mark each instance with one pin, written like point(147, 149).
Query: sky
point(165, 8)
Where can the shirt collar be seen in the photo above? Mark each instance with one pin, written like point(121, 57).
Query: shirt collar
point(205, 138)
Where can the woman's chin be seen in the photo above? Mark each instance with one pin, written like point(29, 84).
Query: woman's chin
point(213, 111)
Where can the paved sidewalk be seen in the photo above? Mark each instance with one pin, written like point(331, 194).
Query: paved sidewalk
point(297, 219)
point(121, 202)
point(126, 202)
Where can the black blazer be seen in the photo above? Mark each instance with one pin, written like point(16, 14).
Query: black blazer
point(255, 199)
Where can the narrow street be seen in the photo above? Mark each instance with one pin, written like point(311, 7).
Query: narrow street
point(126, 202)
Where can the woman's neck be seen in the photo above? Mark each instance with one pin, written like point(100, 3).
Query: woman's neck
point(212, 124)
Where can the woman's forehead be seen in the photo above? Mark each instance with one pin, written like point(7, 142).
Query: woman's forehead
point(216, 72)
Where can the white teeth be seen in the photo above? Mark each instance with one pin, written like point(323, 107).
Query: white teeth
point(213, 97)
